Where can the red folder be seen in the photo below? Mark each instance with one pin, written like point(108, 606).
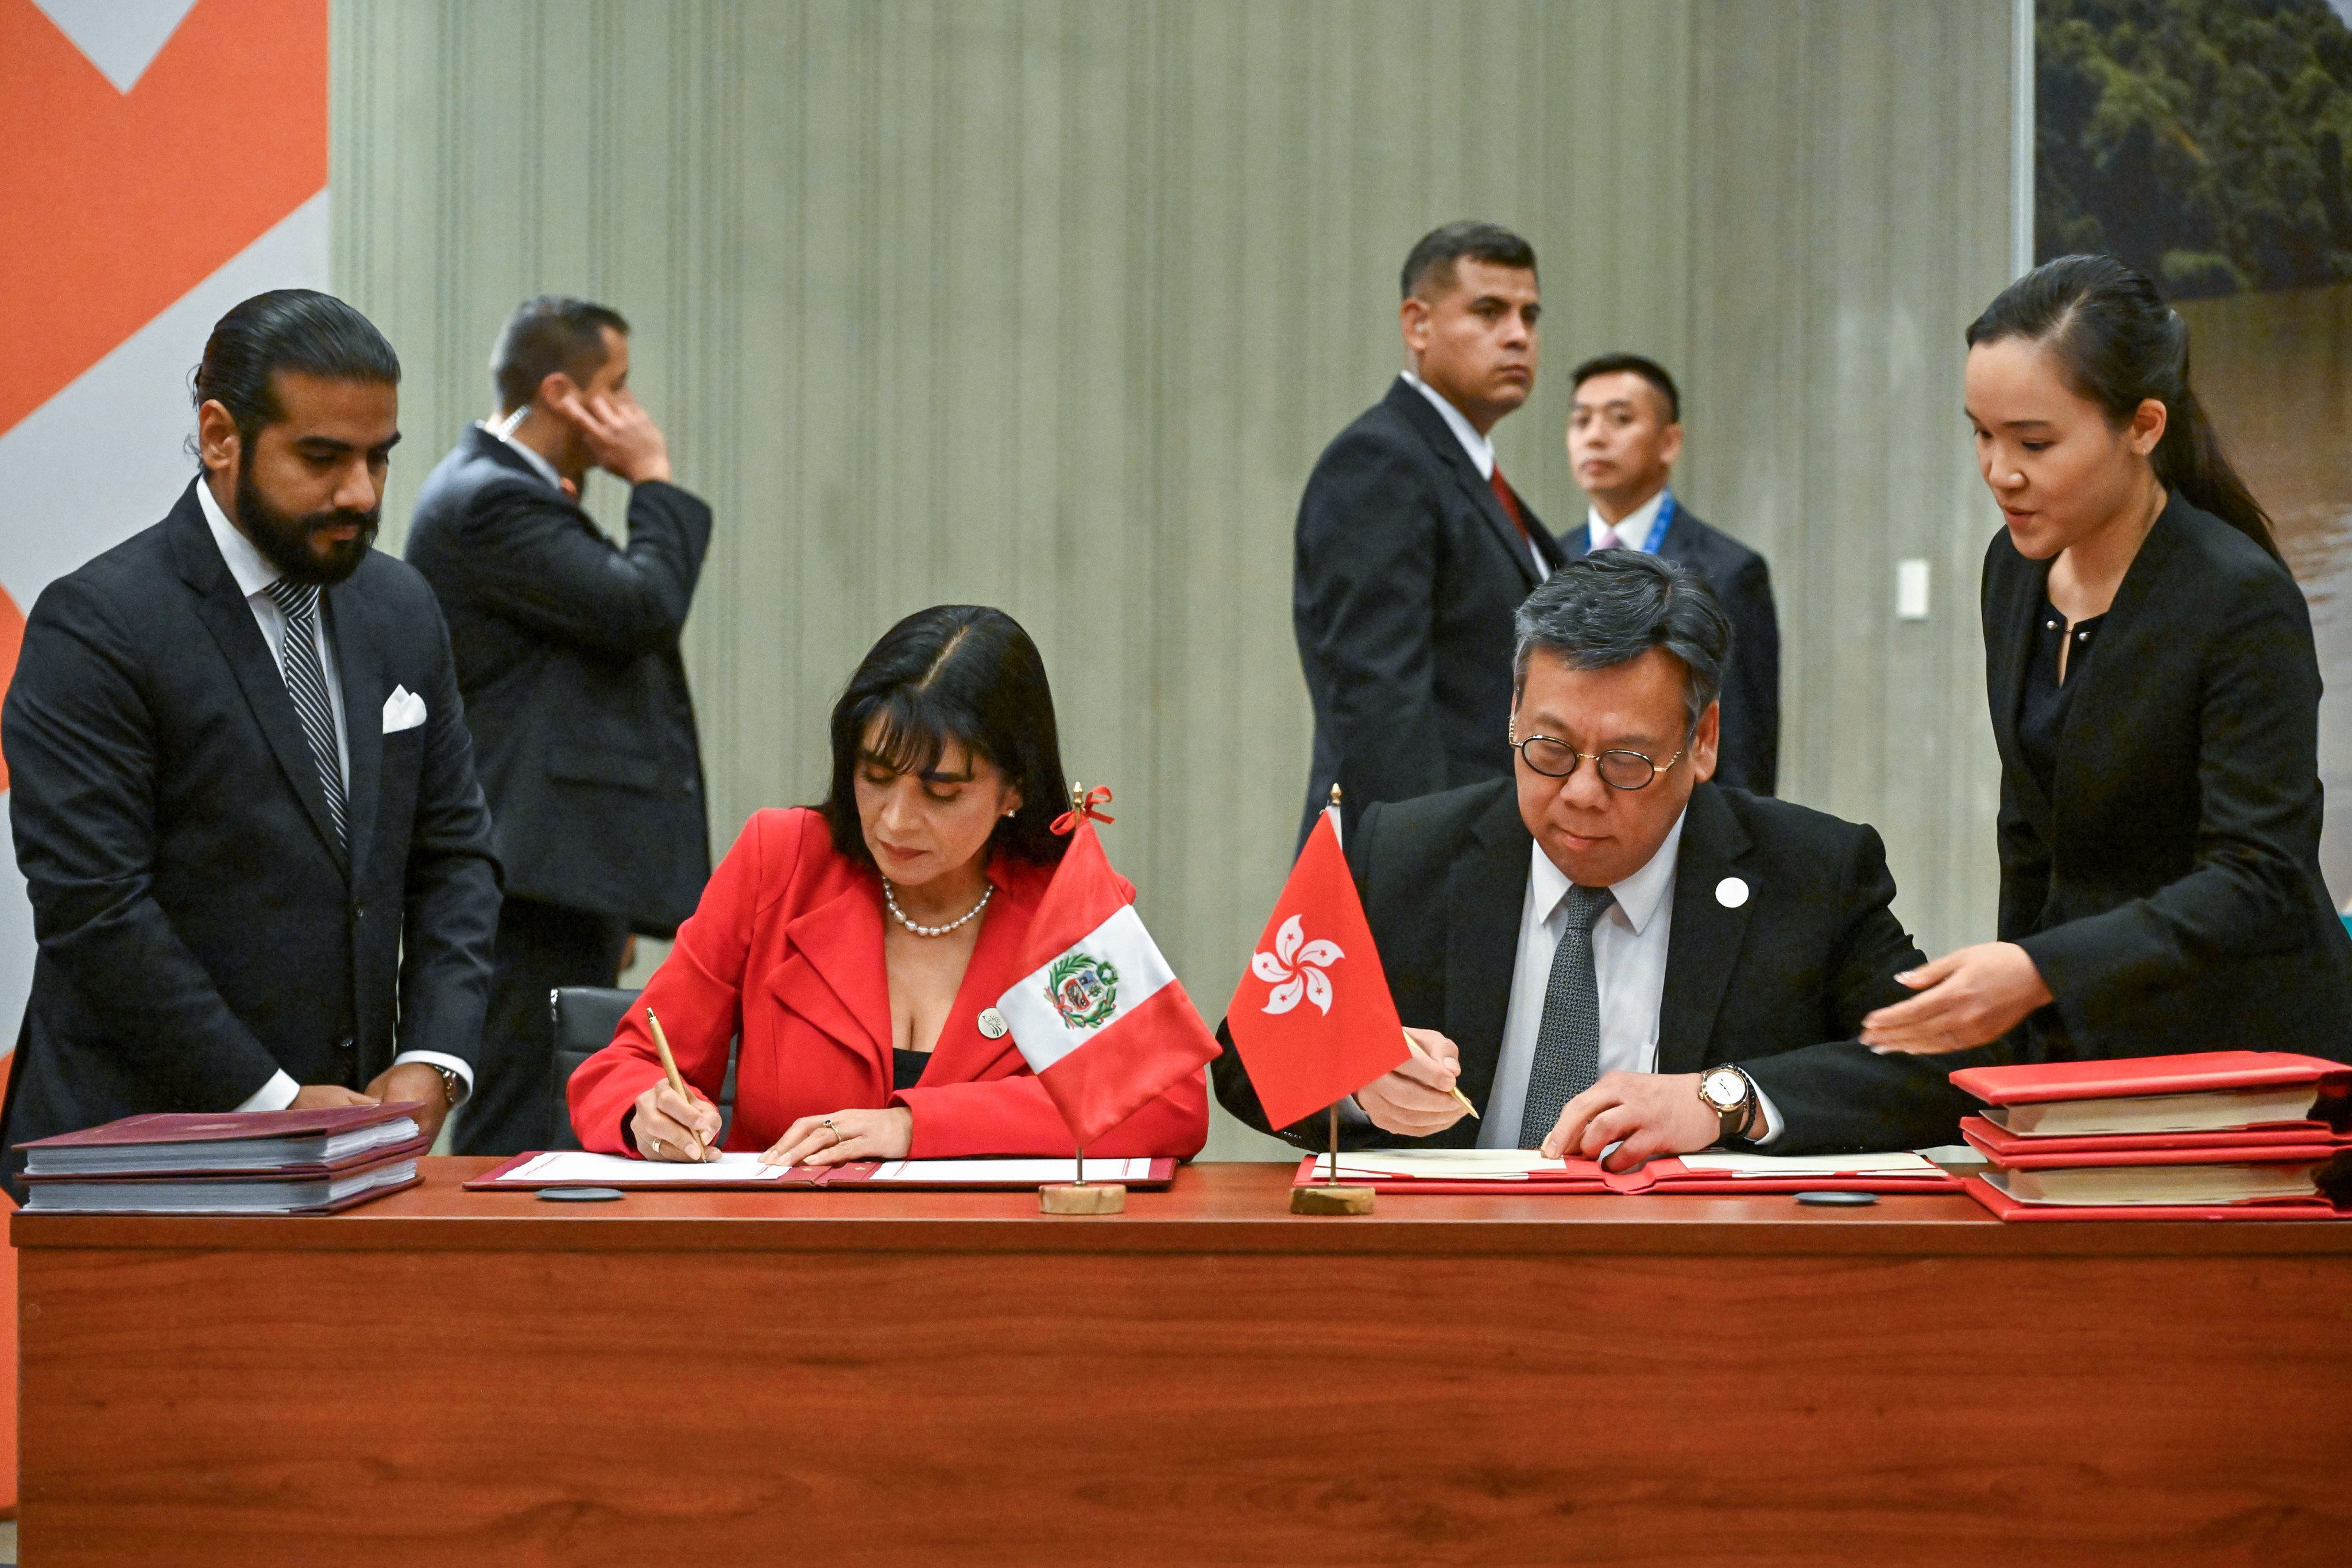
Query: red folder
point(857, 1173)
point(365, 1159)
point(1671, 1175)
point(168, 1127)
point(129, 1185)
point(1668, 1175)
point(1580, 1177)
point(2289, 1143)
point(797, 1178)
point(2007, 1207)
point(495, 1179)
point(2124, 1077)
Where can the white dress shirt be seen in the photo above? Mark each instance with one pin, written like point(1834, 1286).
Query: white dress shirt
point(1481, 450)
point(254, 574)
point(1630, 944)
point(504, 430)
point(1633, 530)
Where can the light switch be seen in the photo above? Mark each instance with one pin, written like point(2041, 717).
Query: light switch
point(1911, 590)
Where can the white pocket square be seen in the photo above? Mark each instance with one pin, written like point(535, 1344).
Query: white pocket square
point(403, 710)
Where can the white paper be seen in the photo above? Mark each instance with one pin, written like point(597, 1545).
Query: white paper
point(616, 1170)
point(1902, 1163)
point(1009, 1173)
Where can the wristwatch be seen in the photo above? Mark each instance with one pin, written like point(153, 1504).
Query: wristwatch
point(1726, 1091)
point(453, 1087)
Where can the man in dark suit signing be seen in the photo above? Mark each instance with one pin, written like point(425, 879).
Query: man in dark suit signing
point(243, 794)
point(567, 648)
point(1608, 947)
point(1413, 550)
point(1624, 433)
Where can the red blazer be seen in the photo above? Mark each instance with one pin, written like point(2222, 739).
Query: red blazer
point(786, 950)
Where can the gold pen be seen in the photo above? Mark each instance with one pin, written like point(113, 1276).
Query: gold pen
point(669, 1062)
point(1415, 1046)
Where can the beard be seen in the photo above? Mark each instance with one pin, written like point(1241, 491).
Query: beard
point(284, 540)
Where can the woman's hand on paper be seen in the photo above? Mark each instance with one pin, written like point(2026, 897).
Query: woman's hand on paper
point(1971, 996)
point(1413, 1100)
point(669, 1128)
point(884, 1135)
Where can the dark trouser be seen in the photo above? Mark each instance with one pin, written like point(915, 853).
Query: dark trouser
point(540, 947)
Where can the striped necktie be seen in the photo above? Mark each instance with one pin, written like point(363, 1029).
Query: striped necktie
point(306, 683)
point(1568, 1041)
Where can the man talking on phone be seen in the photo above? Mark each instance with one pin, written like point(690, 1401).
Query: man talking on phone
point(567, 652)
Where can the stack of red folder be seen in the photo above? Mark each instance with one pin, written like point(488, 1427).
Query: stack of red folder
point(250, 1162)
point(2223, 1134)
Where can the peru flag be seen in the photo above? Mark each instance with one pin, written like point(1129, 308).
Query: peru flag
point(1100, 1017)
point(1313, 1019)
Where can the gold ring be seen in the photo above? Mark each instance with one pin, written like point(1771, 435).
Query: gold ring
point(657, 1148)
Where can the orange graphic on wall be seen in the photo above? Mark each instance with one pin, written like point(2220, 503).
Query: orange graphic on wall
point(117, 204)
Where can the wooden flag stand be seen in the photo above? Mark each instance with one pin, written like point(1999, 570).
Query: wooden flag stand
point(1330, 1197)
point(1081, 1196)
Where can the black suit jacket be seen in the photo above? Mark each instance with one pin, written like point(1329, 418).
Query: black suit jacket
point(199, 927)
point(1406, 574)
point(1750, 755)
point(2169, 892)
point(1779, 985)
point(568, 653)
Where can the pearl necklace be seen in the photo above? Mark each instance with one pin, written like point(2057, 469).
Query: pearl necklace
point(900, 916)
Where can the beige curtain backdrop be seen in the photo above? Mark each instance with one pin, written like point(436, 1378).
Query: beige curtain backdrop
point(1051, 305)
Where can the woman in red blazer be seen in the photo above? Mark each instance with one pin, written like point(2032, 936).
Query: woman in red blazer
point(859, 947)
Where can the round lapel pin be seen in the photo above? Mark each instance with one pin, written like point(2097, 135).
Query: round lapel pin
point(993, 1025)
point(1731, 892)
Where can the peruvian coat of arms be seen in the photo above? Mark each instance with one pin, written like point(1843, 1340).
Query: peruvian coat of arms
point(1083, 990)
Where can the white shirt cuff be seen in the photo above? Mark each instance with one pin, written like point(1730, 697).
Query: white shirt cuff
point(274, 1095)
point(1772, 1125)
point(458, 1065)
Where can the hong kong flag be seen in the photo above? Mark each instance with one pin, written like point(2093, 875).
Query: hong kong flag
point(1313, 1019)
point(1100, 1017)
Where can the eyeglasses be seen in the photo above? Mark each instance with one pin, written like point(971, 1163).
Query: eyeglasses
point(1618, 769)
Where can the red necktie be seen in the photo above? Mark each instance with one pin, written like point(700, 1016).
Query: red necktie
point(1510, 503)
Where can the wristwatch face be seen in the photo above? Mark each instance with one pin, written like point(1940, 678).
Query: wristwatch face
point(1722, 1089)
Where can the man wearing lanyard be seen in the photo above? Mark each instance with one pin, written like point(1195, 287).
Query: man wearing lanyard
point(1625, 434)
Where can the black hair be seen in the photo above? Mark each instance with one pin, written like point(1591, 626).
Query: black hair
point(1612, 606)
point(963, 673)
point(286, 329)
point(1431, 260)
point(2119, 344)
point(1648, 369)
point(549, 333)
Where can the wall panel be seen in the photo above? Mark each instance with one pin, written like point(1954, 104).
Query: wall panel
point(1051, 304)
point(1850, 166)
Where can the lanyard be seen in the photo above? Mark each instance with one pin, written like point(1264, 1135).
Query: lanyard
point(1658, 525)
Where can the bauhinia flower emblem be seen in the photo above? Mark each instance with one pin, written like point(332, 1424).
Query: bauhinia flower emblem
point(1296, 968)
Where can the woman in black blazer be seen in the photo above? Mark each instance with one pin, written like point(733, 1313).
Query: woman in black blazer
point(2156, 699)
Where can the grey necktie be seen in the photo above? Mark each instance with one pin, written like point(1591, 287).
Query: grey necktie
point(1568, 1041)
point(306, 682)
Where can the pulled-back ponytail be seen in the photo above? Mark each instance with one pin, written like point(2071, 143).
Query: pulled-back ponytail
point(2119, 344)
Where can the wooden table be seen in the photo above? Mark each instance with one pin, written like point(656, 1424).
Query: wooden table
point(859, 1378)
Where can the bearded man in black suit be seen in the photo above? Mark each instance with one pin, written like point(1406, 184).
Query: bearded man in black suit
point(243, 794)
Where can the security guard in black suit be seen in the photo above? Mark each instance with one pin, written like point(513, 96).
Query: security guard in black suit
point(567, 649)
